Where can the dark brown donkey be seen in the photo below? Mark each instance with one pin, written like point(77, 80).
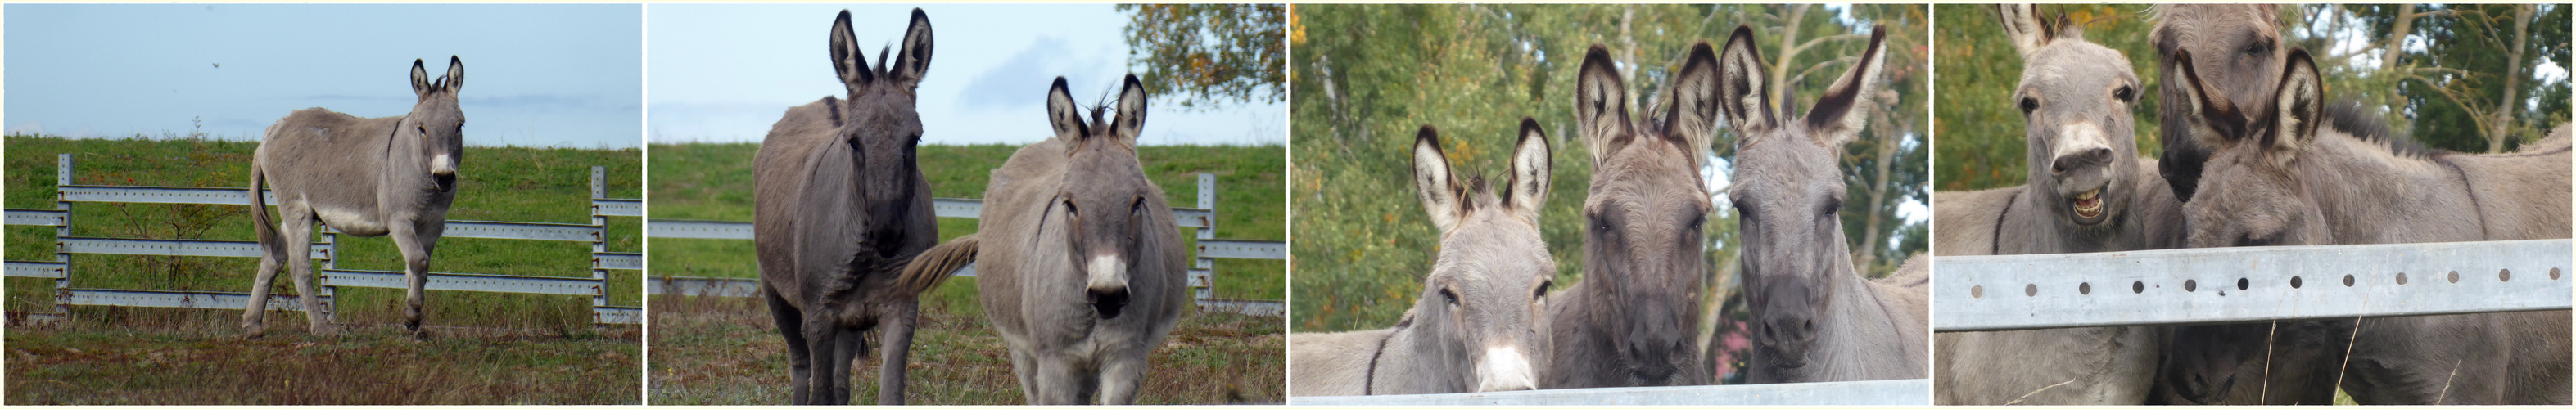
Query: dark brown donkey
point(1632, 320)
point(841, 209)
point(1817, 320)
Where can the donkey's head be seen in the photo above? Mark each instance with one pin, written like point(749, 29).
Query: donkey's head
point(1644, 214)
point(2240, 53)
point(1105, 198)
point(878, 125)
point(2250, 191)
point(1485, 300)
point(1789, 188)
point(435, 124)
point(2075, 99)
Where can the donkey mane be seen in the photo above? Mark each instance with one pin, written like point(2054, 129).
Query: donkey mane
point(2347, 115)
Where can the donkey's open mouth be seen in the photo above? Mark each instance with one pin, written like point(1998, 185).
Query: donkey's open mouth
point(2088, 204)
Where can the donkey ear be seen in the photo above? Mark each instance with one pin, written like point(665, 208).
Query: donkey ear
point(1131, 110)
point(1442, 196)
point(1742, 85)
point(2214, 121)
point(455, 74)
point(2028, 30)
point(1601, 104)
point(1532, 162)
point(1844, 109)
point(848, 60)
point(419, 79)
point(2301, 103)
point(915, 59)
point(1064, 115)
point(1695, 103)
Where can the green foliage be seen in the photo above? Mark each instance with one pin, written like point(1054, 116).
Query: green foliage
point(549, 185)
point(1208, 53)
point(1981, 143)
point(1368, 75)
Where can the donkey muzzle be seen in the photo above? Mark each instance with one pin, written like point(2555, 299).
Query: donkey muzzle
point(442, 169)
point(1505, 369)
point(1106, 289)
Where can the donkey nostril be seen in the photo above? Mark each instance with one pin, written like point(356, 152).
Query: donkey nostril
point(1108, 302)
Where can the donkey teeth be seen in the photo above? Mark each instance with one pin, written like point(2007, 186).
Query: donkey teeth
point(2089, 203)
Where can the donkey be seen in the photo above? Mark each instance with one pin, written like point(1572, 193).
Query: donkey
point(1819, 320)
point(2088, 192)
point(391, 176)
point(1632, 320)
point(1481, 323)
point(1081, 298)
point(2277, 174)
point(841, 208)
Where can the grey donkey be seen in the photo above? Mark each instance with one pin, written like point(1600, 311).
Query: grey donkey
point(840, 209)
point(2283, 171)
point(391, 176)
point(2088, 191)
point(1481, 322)
point(1634, 319)
point(1817, 320)
point(1085, 272)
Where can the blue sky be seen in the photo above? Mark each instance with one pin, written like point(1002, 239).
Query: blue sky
point(536, 75)
point(725, 72)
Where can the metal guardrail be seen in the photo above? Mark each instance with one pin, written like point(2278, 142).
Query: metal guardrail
point(2248, 284)
point(1201, 275)
point(1857, 393)
point(66, 245)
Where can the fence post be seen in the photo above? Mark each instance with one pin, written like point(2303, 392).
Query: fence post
point(330, 293)
point(63, 284)
point(1207, 200)
point(598, 242)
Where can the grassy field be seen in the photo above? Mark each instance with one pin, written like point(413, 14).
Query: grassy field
point(699, 343)
point(502, 184)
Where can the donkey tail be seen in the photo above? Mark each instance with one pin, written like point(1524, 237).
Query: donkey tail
point(260, 222)
point(935, 265)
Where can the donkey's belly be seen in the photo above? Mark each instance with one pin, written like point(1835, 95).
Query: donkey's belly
point(353, 222)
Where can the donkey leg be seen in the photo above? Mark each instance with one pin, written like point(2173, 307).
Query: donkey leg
point(299, 253)
point(415, 251)
point(791, 326)
point(255, 316)
point(894, 351)
point(854, 344)
point(1025, 367)
point(1060, 382)
point(823, 345)
point(1121, 377)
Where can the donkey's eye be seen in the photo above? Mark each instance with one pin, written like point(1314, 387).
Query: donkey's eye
point(1070, 210)
point(2029, 104)
point(1543, 286)
point(1832, 206)
point(2125, 94)
point(1450, 296)
point(1138, 208)
point(424, 131)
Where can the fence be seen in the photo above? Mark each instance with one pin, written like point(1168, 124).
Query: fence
point(2248, 284)
point(1894, 392)
point(1202, 272)
point(330, 276)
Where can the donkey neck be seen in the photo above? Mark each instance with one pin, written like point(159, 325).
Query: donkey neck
point(2371, 194)
point(1858, 332)
point(1412, 361)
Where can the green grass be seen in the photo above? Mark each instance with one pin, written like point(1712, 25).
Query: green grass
point(955, 357)
point(205, 364)
point(499, 184)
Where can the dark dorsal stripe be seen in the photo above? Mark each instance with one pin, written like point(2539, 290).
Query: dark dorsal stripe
point(1368, 381)
point(1996, 246)
point(2474, 206)
point(833, 105)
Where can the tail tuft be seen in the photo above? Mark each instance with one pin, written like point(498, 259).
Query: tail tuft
point(933, 266)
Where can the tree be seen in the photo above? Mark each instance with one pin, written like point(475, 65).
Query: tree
point(1208, 54)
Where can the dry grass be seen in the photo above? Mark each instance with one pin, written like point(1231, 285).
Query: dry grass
point(166, 361)
point(726, 351)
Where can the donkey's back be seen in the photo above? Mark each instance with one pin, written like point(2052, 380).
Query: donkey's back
point(1336, 363)
point(322, 142)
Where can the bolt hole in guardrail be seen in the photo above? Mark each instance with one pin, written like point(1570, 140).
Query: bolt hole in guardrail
point(2294, 282)
point(2553, 273)
point(2504, 275)
point(1977, 292)
point(2190, 285)
point(2030, 290)
point(2347, 280)
point(2401, 278)
point(2455, 277)
point(2084, 288)
point(2137, 287)
point(2241, 284)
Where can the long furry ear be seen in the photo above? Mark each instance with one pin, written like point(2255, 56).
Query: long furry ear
point(1601, 104)
point(420, 85)
point(1532, 162)
point(1695, 109)
point(1742, 87)
point(2027, 29)
point(1442, 197)
point(848, 61)
point(1131, 110)
point(1839, 116)
point(455, 74)
point(910, 65)
point(2300, 104)
point(1064, 114)
point(2215, 121)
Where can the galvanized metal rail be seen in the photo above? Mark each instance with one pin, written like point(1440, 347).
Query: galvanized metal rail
point(1858, 393)
point(2248, 284)
point(66, 245)
point(1201, 275)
